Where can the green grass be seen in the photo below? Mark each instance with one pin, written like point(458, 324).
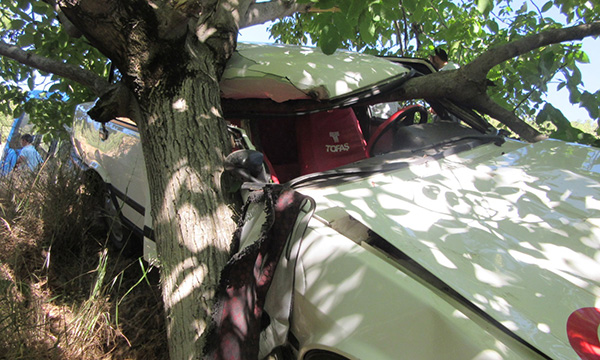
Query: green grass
point(65, 294)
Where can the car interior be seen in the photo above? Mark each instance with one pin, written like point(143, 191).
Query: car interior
point(297, 138)
point(294, 146)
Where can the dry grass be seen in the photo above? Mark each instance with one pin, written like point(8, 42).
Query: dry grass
point(63, 293)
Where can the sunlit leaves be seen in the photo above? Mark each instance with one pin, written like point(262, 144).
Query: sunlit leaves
point(384, 27)
point(49, 112)
point(579, 10)
point(591, 102)
point(547, 6)
point(582, 57)
point(465, 30)
point(558, 126)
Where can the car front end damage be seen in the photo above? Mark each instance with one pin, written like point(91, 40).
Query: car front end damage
point(488, 253)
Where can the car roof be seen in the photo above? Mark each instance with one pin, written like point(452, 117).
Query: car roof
point(286, 72)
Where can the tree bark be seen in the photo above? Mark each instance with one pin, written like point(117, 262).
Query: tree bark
point(486, 105)
point(184, 146)
point(479, 67)
point(259, 13)
point(171, 59)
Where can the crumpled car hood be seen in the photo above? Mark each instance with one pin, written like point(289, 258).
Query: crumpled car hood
point(515, 229)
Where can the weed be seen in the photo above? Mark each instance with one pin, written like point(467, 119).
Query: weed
point(63, 293)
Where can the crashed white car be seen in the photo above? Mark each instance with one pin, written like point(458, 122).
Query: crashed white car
point(424, 237)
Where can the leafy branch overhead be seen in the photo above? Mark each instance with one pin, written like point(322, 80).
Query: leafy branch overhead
point(380, 27)
point(466, 30)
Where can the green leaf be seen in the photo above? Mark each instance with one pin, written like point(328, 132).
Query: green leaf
point(26, 39)
point(345, 26)
point(575, 77)
point(39, 7)
point(574, 94)
point(417, 12)
point(582, 57)
point(330, 39)
point(355, 9)
point(493, 26)
point(24, 5)
point(382, 12)
point(591, 104)
point(547, 62)
point(550, 114)
point(366, 28)
point(17, 24)
point(485, 6)
point(325, 4)
point(547, 6)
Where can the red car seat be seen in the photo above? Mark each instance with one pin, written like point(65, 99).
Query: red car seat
point(329, 139)
point(277, 140)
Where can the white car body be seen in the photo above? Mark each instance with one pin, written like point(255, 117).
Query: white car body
point(475, 248)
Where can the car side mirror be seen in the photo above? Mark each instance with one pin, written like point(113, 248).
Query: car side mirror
point(247, 165)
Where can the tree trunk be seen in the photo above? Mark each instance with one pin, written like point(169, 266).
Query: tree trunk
point(185, 141)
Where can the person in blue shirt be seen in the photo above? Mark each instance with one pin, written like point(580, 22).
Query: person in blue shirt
point(8, 163)
point(29, 154)
point(8, 158)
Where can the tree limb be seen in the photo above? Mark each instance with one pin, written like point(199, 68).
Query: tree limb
point(479, 67)
point(107, 25)
point(85, 77)
point(69, 27)
point(434, 6)
point(259, 13)
point(487, 106)
point(456, 85)
point(399, 41)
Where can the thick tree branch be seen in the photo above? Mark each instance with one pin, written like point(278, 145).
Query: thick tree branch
point(486, 105)
point(259, 13)
point(85, 77)
point(455, 85)
point(479, 67)
point(106, 25)
point(67, 25)
point(443, 84)
point(467, 85)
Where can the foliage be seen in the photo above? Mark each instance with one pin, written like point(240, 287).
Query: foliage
point(6, 121)
point(47, 112)
point(560, 128)
point(465, 29)
point(63, 295)
point(382, 27)
point(32, 25)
